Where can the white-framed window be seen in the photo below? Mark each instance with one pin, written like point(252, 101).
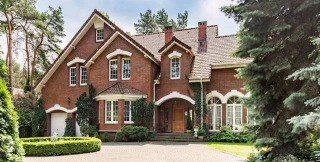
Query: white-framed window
point(175, 68)
point(234, 112)
point(126, 73)
point(113, 69)
point(111, 112)
point(128, 112)
point(215, 113)
point(83, 75)
point(99, 35)
point(72, 76)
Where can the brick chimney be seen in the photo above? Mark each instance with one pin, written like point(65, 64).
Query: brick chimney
point(168, 34)
point(202, 36)
point(202, 30)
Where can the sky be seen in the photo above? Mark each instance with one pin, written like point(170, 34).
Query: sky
point(124, 13)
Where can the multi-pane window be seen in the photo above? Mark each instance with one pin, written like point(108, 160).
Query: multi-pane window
point(234, 112)
point(111, 112)
point(175, 68)
point(113, 70)
point(72, 76)
point(99, 35)
point(83, 75)
point(126, 69)
point(128, 112)
point(215, 113)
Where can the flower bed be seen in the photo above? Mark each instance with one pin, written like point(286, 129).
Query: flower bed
point(42, 146)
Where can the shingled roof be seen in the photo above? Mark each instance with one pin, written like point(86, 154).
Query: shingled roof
point(120, 88)
point(219, 48)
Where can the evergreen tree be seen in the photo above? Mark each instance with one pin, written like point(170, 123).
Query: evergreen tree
point(142, 113)
point(4, 71)
point(152, 23)
point(276, 35)
point(27, 87)
point(38, 122)
point(69, 131)
point(11, 148)
point(85, 113)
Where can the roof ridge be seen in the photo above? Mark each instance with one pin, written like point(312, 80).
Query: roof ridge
point(230, 35)
point(137, 35)
point(107, 88)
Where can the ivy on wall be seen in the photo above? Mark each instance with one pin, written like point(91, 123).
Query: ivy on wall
point(196, 88)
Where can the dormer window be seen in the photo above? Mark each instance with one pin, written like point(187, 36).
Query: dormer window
point(99, 35)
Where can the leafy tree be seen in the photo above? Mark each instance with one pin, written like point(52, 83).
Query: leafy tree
point(142, 113)
point(69, 131)
point(11, 148)
point(276, 35)
point(4, 71)
point(27, 87)
point(19, 75)
point(152, 23)
point(24, 105)
point(85, 113)
point(38, 122)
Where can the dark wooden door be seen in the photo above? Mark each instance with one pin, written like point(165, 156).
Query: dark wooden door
point(178, 120)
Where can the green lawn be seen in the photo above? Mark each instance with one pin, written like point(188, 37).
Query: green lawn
point(241, 149)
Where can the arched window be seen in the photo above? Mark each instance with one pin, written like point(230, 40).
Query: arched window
point(234, 112)
point(215, 113)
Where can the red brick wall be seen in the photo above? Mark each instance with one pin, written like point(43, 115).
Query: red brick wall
point(57, 89)
point(168, 85)
point(223, 81)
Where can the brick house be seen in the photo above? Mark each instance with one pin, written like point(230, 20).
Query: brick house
point(158, 67)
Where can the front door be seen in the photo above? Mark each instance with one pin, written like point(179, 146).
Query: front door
point(178, 119)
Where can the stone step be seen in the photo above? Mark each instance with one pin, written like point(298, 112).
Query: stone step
point(177, 140)
point(173, 134)
point(173, 137)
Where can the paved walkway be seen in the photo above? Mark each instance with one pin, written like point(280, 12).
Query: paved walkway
point(146, 152)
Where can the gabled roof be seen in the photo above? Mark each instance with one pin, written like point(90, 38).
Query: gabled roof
point(172, 42)
point(78, 36)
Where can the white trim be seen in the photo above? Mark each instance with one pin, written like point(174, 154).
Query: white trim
point(195, 80)
point(119, 96)
point(171, 68)
point(99, 29)
point(98, 24)
point(75, 71)
point(75, 60)
point(234, 115)
point(172, 95)
point(112, 112)
point(83, 84)
point(110, 69)
point(122, 68)
point(228, 65)
point(175, 43)
point(57, 107)
point(68, 49)
point(175, 54)
point(232, 93)
point(130, 112)
point(215, 94)
point(118, 52)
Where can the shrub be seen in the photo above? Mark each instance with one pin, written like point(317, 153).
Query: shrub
point(132, 133)
point(142, 113)
point(10, 147)
point(226, 128)
point(201, 132)
point(230, 137)
point(39, 122)
point(96, 135)
point(88, 130)
point(69, 131)
point(105, 137)
point(64, 146)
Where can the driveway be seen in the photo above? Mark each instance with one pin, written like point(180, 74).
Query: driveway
point(146, 152)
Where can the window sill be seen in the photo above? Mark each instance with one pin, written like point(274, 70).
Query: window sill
point(110, 122)
point(125, 78)
point(128, 122)
point(72, 85)
point(99, 40)
point(112, 80)
point(83, 84)
point(175, 78)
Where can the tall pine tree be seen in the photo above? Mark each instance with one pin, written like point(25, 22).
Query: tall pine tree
point(276, 34)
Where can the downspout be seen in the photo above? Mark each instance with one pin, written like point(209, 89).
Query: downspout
point(201, 102)
point(154, 109)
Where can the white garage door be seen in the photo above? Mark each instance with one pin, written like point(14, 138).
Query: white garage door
point(58, 123)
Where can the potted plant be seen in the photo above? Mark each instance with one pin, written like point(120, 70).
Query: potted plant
point(201, 133)
point(189, 124)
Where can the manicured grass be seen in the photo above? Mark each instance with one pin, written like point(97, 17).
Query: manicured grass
point(241, 149)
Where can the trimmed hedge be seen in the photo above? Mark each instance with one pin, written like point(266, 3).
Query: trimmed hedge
point(230, 137)
point(132, 133)
point(42, 146)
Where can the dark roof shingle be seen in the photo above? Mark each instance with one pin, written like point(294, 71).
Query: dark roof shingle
point(120, 88)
